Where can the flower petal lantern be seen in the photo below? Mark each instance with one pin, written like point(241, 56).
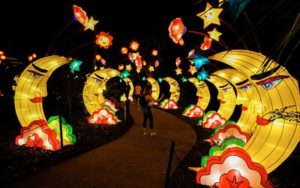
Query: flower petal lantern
point(176, 30)
point(232, 167)
point(80, 14)
point(104, 40)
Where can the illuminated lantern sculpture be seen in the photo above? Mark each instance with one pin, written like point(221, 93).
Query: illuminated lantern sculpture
point(228, 131)
point(68, 137)
point(278, 130)
point(193, 111)
point(168, 104)
point(226, 95)
point(104, 40)
point(95, 85)
point(247, 97)
point(134, 45)
point(38, 134)
point(210, 15)
point(206, 44)
point(80, 14)
point(174, 89)
point(155, 87)
point(218, 150)
point(104, 116)
point(233, 167)
point(212, 119)
point(203, 93)
point(32, 87)
point(176, 31)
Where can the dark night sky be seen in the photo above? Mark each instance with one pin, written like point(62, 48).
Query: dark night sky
point(40, 26)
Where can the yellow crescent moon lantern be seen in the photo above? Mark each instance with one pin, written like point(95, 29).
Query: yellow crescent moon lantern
point(155, 87)
point(32, 87)
point(226, 96)
point(174, 89)
point(203, 93)
point(94, 87)
point(278, 132)
point(247, 96)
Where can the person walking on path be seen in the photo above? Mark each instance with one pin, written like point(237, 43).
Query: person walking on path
point(146, 101)
point(137, 94)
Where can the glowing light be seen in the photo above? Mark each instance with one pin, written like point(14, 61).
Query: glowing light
point(75, 65)
point(124, 50)
point(202, 75)
point(90, 24)
point(154, 52)
point(134, 45)
point(80, 14)
point(178, 71)
point(210, 15)
point(215, 34)
point(32, 87)
point(176, 31)
point(206, 43)
point(192, 69)
point(104, 40)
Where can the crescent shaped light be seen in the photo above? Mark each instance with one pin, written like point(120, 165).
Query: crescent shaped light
point(247, 97)
point(94, 87)
point(174, 89)
point(273, 142)
point(155, 87)
point(203, 93)
point(32, 87)
point(226, 96)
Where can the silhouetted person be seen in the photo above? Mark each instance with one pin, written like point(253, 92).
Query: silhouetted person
point(146, 102)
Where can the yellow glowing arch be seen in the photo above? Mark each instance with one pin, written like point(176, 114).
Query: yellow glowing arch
point(32, 87)
point(247, 96)
point(203, 93)
point(174, 88)
point(272, 143)
point(94, 87)
point(226, 95)
point(155, 87)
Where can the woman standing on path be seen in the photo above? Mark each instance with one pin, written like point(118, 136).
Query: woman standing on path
point(146, 101)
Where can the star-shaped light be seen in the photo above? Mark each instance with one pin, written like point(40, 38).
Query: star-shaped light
point(75, 65)
point(192, 69)
point(210, 15)
point(178, 71)
point(151, 68)
point(214, 34)
point(90, 24)
point(138, 70)
point(128, 68)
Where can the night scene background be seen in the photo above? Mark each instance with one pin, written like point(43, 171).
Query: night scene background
point(48, 27)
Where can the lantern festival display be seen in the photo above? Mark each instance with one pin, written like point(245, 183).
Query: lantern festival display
point(226, 96)
point(203, 93)
point(32, 87)
point(278, 132)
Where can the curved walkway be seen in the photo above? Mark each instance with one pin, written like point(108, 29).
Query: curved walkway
point(133, 160)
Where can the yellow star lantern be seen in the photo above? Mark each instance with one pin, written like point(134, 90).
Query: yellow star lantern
point(192, 69)
point(128, 68)
point(151, 68)
point(214, 34)
point(178, 71)
point(210, 15)
point(90, 24)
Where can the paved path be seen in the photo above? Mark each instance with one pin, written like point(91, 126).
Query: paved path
point(133, 160)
